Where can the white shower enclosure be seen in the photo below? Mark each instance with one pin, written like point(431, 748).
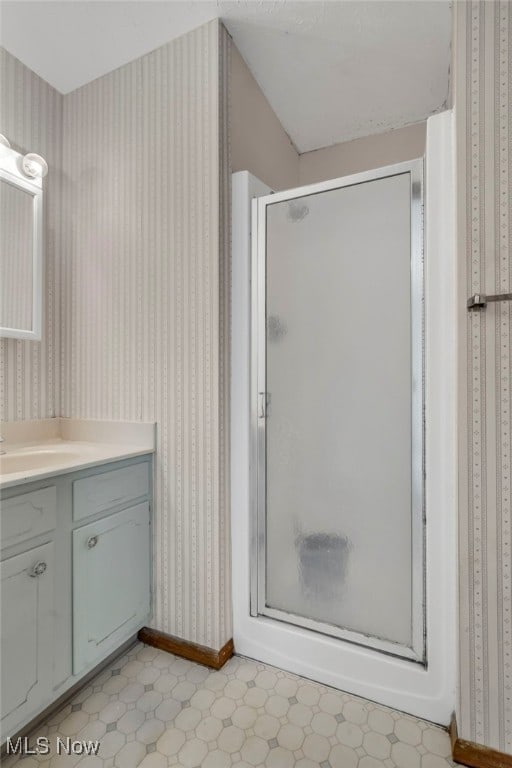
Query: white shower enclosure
point(337, 429)
point(338, 370)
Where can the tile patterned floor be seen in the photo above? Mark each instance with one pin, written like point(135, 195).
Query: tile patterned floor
point(150, 709)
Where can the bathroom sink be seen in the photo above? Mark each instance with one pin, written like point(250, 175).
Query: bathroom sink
point(20, 461)
point(24, 461)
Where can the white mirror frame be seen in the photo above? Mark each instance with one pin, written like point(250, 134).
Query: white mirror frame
point(11, 171)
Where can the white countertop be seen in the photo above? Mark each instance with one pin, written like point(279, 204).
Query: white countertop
point(44, 448)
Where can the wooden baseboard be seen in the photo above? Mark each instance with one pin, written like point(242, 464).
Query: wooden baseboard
point(199, 653)
point(475, 755)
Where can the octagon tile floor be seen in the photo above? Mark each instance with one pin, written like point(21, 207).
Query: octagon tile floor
point(152, 709)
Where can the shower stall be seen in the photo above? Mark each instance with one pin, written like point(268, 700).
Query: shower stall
point(338, 363)
point(334, 479)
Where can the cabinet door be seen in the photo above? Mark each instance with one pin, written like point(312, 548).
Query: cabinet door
point(111, 590)
point(26, 585)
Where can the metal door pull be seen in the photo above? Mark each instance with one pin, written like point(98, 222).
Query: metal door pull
point(263, 404)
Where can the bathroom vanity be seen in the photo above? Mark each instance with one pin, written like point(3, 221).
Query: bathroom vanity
point(74, 572)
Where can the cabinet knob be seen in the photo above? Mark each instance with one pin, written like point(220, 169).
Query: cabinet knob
point(92, 541)
point(37, 570)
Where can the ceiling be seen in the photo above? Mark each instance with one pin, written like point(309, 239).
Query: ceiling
point(332, 71)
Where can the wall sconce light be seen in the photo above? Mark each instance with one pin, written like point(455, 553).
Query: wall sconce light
point(34, 166)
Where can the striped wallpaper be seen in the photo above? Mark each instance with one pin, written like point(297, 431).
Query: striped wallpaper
point(143, 295)
point(31, 118)
point(483, 69)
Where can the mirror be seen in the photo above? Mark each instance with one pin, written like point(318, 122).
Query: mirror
point(21, 249)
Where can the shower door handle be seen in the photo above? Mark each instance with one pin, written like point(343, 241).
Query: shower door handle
point(263, 404)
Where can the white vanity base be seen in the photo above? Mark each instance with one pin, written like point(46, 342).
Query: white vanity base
point(75, 570)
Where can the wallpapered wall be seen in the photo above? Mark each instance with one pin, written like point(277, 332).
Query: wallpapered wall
point(144, 300)
point(483, 69)
point(137, 289)
point(31, 118)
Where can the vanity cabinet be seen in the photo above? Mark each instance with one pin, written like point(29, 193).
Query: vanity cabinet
point(74, 580)
point(110, 581)
point(27, 603)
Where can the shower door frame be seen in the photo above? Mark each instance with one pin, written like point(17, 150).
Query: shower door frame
point(417, 652)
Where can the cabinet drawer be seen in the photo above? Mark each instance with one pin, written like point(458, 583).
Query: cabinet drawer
point(28, 515)
point(101, 492)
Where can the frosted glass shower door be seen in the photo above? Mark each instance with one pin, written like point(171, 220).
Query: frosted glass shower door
point(339, 426)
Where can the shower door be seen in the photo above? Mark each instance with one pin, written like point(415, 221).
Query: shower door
point(338, 531)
